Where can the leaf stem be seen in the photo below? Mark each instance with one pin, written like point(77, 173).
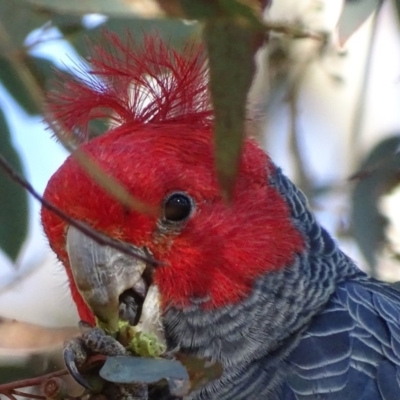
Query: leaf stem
point(28, 395)
point(6, 388)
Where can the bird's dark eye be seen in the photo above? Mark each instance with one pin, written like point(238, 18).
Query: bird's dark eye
point(177, 207)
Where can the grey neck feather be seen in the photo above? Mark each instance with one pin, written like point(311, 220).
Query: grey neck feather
point(280, 306)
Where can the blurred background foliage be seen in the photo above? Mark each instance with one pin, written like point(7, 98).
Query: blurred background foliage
point(291, 49)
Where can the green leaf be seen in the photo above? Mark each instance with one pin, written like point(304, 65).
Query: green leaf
point(15, 81)
point(41, 69)
point(354, 14)
point(21, 74)
point(231, 48)
point(14, 199)
point(25, 366)
point(159, 371)
point(200, 9)
point(129, 369)
point(175, 31)
point(11, 78)
point(121, 8)
point(377, 175)
point(396, 285)
point(397, 4)
point(200, 370)
point(18, 19)
point(251, 10)
point(183, 375)
point(205, 9)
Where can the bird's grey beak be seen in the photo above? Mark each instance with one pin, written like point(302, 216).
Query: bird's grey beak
point(102, 274)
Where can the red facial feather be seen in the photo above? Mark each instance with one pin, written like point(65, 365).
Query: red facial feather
point(221, 249)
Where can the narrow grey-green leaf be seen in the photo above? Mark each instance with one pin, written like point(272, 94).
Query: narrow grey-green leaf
point(176, 32)
point(200, 370)
point(14, 80)
point(128, 369)
point(397, 4)
point(14, 199)
point(41, 69)
point(19, 366)
point(377, 175)
point(396, 285)
point(354, 14)
point(250, 10)
point(231, 47)
point(10, 77)
point(11, 373)
point(122, 8)
point(18, 19)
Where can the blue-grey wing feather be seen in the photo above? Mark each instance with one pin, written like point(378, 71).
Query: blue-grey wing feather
point(351, 349)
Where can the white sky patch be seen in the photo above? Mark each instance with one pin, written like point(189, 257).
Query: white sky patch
point(48, 43)
point(91, 21)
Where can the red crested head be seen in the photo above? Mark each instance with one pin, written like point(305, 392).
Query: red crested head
point(131, 84)
point(160, 147)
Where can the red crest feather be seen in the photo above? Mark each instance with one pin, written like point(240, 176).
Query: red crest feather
point(132, 84)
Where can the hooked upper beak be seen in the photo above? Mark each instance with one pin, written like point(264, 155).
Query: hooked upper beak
point(102, 274)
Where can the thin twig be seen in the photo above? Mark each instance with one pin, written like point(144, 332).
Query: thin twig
point(28, 395)
point(6, 388)
point(82, 227)
point(9, 395)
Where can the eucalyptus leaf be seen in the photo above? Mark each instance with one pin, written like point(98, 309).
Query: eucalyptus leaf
point(18, 19)
point(129, 370)
point(251, 10)
point(396, 285)
point(40, 70)
point(120, 8)
point(231, 49)
point(11, 78)
point(397, 4)
point(14, 199)
point(354, 14)
point(201, 371)
point(12, 372)
point(199, 9)
point(19, 366)
point(377, 175)
point(176, 32)
point(19, 72)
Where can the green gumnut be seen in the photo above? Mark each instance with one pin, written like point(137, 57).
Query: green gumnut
point(146, 345)
point(141, 343)
point(105, 328)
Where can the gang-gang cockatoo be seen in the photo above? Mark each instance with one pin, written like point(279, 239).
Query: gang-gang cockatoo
point(256, 284)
